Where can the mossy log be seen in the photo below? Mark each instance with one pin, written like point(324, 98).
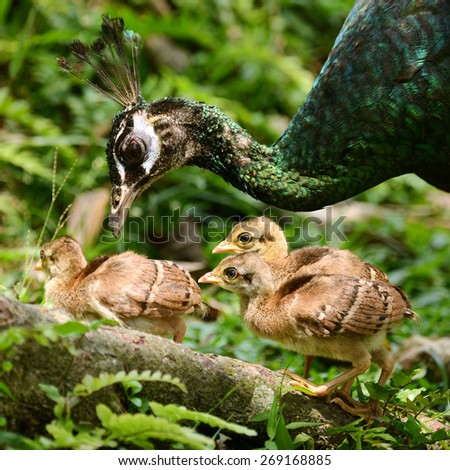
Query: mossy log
point(226, 387)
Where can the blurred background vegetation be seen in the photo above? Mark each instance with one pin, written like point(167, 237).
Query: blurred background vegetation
point(256, 60)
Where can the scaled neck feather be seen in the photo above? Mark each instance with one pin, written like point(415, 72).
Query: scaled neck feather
point(265, 172)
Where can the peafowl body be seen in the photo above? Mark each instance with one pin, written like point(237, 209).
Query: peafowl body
point(379, 108)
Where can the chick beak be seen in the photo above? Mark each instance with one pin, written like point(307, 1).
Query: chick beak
point(38, 266)
point(122, 198)
point(209, 278)
point(224, 247)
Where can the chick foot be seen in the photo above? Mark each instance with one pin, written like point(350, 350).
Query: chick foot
point(370, 410)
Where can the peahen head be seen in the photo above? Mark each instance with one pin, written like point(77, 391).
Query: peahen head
point(146, 141)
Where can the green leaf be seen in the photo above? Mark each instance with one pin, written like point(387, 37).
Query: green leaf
point(4, 389)
point(270, 445)
point(96, 324)
point(412, 426)
point(132, 387)
point(380, 392)
point(71, 328)
point(411, 395)
point(302, 438)
point(283, 438)
point(60, 408)
point(400, 378)
point(353, 426)
point(387, 437)
point(7, 366)
point(137, 402)
point(272, 421)
point(51, 392)
point(264, 416)
point(304, 390)
point(302, 424)
point(14, 441)
point(104, 414)
point(12, 336)
point(439, 435)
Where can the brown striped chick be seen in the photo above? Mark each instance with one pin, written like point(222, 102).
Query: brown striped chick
point(334, 316)
point(262, 235)
point(143, 294)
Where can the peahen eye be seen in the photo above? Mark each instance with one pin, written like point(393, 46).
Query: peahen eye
point(133, 151)
point(230, 273)
point(245, 238)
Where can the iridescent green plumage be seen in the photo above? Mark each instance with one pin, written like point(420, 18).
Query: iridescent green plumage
point(379, 108)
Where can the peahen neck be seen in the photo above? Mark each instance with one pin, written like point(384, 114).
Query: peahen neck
point(289, 176)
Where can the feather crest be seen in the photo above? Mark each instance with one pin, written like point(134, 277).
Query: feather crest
point(109, 57)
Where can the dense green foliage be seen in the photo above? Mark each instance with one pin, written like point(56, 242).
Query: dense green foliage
point(256, 61)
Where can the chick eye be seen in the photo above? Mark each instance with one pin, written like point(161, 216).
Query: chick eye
point(245, 238)
point(133, 151)
point(41, 254)
point(230, 273)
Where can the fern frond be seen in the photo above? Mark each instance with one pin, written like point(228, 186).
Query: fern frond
point(176, 413)
point(91, 384)
point(139, 429)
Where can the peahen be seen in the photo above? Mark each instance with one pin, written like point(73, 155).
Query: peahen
point(379, 108)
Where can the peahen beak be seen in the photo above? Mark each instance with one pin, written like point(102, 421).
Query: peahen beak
point(209, 278)
point(224, 247)
point(122, 198)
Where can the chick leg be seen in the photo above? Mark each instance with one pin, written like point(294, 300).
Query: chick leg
point(307, 366)
point(180, 331)
point(327, 388)
point(372, 409)
point(383, 358)
point(346, 387)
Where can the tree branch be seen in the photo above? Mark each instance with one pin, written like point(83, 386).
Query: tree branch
point(226, 387)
